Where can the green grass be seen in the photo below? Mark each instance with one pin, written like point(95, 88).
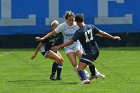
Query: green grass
point(19, 74)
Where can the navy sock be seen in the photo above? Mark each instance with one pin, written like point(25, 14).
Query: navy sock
point(82, 75)
point(59, 70)
point(54, 68)
point(92, 69)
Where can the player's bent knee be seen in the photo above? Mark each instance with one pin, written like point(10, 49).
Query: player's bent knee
point(59, 61)
point(62, 60)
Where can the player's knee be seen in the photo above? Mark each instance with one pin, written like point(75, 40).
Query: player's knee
point(62, 60)
point(59, 61)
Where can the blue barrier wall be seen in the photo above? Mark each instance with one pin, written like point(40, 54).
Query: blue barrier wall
point(33, 16)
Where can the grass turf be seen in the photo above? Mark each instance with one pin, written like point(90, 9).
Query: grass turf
point(19, 74)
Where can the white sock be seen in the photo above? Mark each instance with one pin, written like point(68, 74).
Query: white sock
point(75, 68)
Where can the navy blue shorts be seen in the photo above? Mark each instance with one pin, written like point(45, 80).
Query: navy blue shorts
point(47, 50)
point(89, 58)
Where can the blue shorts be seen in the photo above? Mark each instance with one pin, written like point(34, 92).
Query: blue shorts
point(45, 52)
point(89, 58)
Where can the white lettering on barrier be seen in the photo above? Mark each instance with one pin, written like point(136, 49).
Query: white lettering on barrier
point(7, 20)
point(103, 17)
point(53, 12)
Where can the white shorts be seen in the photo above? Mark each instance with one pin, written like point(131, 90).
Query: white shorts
point(73, 49)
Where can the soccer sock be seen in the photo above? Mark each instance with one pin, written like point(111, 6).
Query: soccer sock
point(82, 74)
point(75, 69)
point(92, 69)
point(54, 68)
point(96, 71)
point(59, 69)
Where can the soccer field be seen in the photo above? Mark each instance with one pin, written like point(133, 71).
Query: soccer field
point(20, 74)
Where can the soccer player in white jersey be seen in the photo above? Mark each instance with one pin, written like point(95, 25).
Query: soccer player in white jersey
point(68, 29)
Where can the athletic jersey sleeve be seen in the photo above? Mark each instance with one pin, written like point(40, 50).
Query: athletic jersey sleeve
point(95, 29)
point(59, 28)
point(76, 35)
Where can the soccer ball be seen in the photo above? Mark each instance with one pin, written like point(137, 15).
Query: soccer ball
point(87, 74)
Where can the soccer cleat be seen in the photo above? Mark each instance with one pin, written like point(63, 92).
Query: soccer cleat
point(100, 76)
point(52, 77)
point(97, 76)
point(91, 77)
point(58, 78)
point(87, 81)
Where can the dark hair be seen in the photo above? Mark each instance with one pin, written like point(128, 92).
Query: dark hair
point(79, 18)
point(68, 14)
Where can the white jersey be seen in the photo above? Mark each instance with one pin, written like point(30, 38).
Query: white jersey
point(68, 32)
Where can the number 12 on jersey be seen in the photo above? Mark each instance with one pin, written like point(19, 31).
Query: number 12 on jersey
point(88, 35)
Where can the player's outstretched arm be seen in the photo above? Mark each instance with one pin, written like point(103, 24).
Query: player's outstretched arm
point(69, 42)
point(36, 51)
point(46, 36)
point(104, 34)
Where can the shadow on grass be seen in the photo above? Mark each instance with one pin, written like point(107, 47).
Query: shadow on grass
point(41, 82)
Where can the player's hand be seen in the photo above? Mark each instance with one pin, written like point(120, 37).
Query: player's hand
point(38, 38)
point(55, 48)
point(33, 57)
point(117, 38)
